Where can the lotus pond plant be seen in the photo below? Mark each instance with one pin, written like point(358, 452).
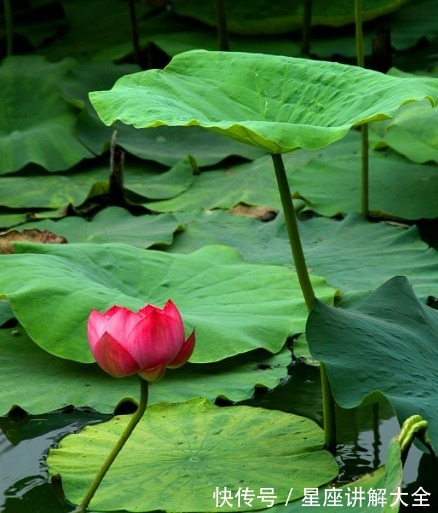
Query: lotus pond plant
point(243, 311)
point(275, 103)
point(146, 342)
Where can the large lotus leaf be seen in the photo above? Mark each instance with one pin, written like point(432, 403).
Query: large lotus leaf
point(194, 447)
point(339, 250)
point(413, 132)
point(234, 306)
point(388, 343)
point(86, 385)
point(166, 145)
point(113, 224)
point(36, 124)
point(265, 17)
point(272, 102)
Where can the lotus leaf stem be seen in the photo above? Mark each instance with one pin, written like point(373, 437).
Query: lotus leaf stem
point(135, 419)
point(307, 289)
point(293, 231)
point(9, 26)
point(222, 26)
point(364, 128)
point(307, 27)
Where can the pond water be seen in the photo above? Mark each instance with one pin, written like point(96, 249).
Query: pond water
point(365, 433)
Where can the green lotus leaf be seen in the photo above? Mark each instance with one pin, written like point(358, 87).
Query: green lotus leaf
point(113, 224)
point(249, 183)
point(265, 17)
point(86, 385)
point(275, 103)
point(413, 132)
point(48, 191)
point(339, 250)
point(166, 145)
point(55, 191)
point(235, 307)
point(387, 343)
point(195, 447)
point(36, 124)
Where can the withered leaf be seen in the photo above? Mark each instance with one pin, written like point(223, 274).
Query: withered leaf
point(28, 235)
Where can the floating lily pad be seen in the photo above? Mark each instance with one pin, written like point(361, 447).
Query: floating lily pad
point(86, 385)
point(272, 102)
point(387, 343)
point(235, 307)
point(195, 447)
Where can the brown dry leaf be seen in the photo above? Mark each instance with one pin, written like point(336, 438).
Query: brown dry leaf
point(261, 213)
point(27, 235)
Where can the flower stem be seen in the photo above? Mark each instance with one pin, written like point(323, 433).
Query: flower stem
point(307, 289)
point(135, 419)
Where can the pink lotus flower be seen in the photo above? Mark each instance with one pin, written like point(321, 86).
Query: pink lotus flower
point(124, 342)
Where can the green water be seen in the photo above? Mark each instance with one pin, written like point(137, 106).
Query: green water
point(365, 433)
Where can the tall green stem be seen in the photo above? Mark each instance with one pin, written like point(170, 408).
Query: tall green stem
point(134, 33)
point(307, 289)
point(307, 27)
point(292, 231)
point(135, 419)
point(365, 158)
point(9, 27)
